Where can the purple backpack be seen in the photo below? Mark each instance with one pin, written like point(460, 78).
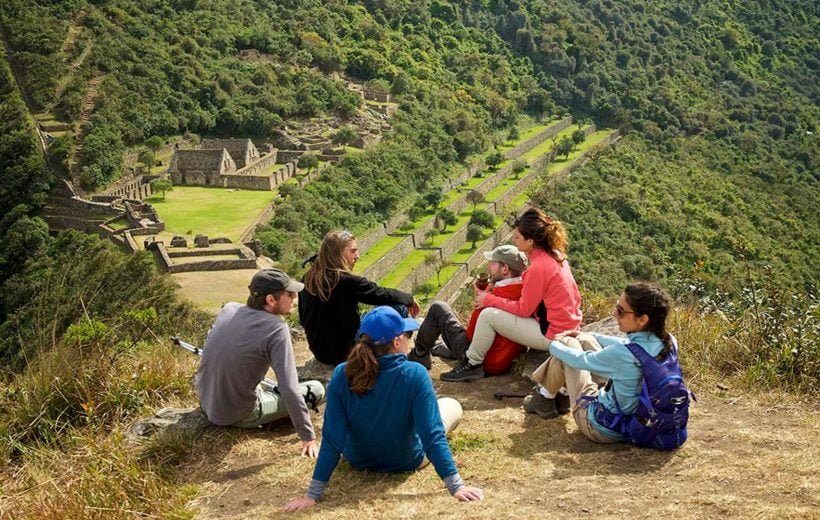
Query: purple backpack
point(660, 419)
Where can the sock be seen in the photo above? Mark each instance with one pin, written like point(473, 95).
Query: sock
point(543, 391)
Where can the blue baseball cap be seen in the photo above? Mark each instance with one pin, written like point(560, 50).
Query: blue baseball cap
point(384, 323)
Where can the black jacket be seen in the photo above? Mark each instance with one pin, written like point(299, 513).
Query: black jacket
point(331, 326)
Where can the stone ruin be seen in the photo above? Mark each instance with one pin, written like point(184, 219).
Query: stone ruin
point(230, 163)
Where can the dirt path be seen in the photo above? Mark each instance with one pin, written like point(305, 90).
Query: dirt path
point(745, 459)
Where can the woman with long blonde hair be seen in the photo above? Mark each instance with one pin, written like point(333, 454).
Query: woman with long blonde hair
point(329, 303)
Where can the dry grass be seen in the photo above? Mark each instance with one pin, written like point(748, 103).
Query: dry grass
point(746, 457)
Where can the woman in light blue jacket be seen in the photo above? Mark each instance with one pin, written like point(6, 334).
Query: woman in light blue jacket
point(641, 311)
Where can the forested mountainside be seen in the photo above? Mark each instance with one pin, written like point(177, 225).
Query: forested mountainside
point(714, 185)
point(713, 191)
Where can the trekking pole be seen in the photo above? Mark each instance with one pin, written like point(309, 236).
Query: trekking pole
point(270, 384)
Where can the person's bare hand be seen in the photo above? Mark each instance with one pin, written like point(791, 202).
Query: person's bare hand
point(297, 504)
point(414, 309)
point(469, 494)
point(310, 448)
point(567, 334)
point(479, 298)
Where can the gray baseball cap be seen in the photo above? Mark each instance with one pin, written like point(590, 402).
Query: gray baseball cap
point(510, 255)
point(269, 281)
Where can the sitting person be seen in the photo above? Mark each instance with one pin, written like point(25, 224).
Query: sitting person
point(550, 302)
point(244, 341)
point(382, 413)
point(329, 303)
point(641, 311)
point(506, 263)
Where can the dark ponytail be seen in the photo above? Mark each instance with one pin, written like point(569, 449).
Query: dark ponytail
point(647, 299)
point(362, 367)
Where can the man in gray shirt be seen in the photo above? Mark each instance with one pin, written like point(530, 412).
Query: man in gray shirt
point(244, 341)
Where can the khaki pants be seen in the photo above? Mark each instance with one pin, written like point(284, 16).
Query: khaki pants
point(270, 406)
point(492, 321)
point(451, 412)
point(553, 374)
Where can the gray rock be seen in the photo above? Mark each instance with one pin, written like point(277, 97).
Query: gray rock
point(221, 240)
point(201, 241)
point(313, 369)
point(189, 422)
point(179, 241)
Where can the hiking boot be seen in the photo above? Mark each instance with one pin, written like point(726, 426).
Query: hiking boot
point(440, 349)
point(464, 371)
point(562, 403)
point(426, 361)
point(540, 405)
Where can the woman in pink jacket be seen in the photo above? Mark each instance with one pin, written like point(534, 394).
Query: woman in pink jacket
point(550, 302)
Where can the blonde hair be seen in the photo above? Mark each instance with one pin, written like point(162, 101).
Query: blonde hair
point(326, 271)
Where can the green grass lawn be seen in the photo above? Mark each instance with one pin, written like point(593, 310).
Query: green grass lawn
point(378, 250)
point(403, 268)
point(215, 212)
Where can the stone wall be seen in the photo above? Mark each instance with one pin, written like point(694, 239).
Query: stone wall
point(532, 142)
point(286, 156)
point(249, 182)
point(378, 269)
point(263, 217)
point(77, 207)
point(452, 286)
point(420, 274)
point(257, 167)
point(247, 260)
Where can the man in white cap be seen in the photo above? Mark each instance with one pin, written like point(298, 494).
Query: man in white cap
point(244, 341)
point(506, 263)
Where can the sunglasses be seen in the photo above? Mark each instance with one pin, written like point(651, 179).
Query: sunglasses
point(345, 235)
point(620, 311)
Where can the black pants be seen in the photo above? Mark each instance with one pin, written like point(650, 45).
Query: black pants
point(442, 321)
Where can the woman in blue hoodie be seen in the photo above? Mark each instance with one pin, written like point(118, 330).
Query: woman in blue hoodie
point(377, 381)
point(641, 312)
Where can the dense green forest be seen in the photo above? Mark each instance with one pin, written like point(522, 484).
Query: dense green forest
point(714, 184)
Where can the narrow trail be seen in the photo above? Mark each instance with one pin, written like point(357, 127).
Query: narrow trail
point(79, 128)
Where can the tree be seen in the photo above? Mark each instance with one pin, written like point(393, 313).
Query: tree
point(433, 199)
point(148, 159)
point(162, 186)
point(483, 219)
point(431, 236)
point(308, 161)
point(518, 167)
point(345, 135)
point(417, 210)
point(435, 261)
point(565, 146)
point(494, 159)
point(154, 143)
point(446, 218)
point(578, 136)
point(474, 233)
point(513, 135)
point(475, 197)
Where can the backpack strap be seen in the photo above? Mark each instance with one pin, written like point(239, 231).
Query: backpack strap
point(643, 356)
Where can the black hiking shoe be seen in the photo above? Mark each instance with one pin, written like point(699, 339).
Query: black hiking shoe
point(463, 372)
point(426, 360)
point(562, 403)
point(540, 405)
